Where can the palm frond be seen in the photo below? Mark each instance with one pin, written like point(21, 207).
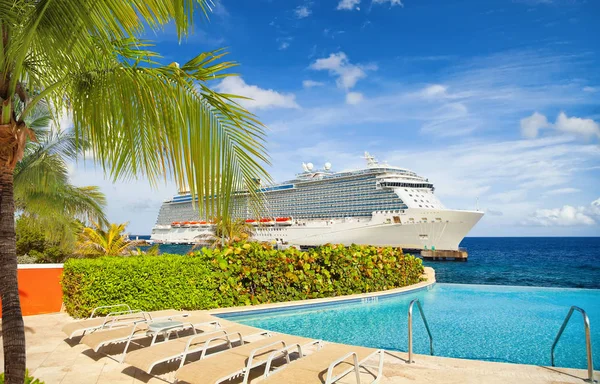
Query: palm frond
point(97, 241)
point(159, 121)
point(46, 29)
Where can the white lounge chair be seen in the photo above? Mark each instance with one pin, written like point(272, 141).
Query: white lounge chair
point(116, 318)
point(181, 348)
point(149, 329)
point(328, 365)
point(241, 360)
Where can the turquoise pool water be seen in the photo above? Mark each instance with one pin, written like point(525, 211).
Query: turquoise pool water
point(495, 323)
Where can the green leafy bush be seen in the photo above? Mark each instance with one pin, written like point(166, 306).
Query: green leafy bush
point(241, 274)
point(34, 244)
point(144, 282)
point(28, 379)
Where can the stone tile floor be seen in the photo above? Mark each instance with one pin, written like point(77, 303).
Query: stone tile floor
point(54, 360)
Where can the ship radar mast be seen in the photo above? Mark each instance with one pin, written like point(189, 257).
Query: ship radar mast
point(371, 161)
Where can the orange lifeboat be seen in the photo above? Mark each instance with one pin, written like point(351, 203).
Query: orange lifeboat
point(175, 224)
point(267, 221)
point(283, 221)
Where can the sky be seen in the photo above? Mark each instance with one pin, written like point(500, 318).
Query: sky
point(497, 102)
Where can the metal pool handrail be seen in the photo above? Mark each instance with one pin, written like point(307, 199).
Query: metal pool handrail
point(588, 341)
point(410, 333)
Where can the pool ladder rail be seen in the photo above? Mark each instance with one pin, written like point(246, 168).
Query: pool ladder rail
point(410, 332)
point(586, 324)
point(588, 341)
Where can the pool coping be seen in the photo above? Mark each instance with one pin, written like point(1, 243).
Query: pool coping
point(231, 312)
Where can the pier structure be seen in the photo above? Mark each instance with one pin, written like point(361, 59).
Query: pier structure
point(434, 254)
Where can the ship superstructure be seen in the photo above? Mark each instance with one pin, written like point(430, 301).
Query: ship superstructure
point(379, 205)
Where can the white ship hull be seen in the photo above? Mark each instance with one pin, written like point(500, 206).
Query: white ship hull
point(410, 229)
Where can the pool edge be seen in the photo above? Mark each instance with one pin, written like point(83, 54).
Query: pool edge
point(428, 274)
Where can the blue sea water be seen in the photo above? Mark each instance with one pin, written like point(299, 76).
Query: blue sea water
point(530, 261)
point(494, 323)
point(570, 262)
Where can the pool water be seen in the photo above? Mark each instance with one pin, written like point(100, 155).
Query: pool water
point(494, 323)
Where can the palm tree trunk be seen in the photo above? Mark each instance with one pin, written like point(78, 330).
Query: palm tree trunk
point(13, 332)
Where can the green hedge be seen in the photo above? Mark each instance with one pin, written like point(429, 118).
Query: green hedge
point(243, 274)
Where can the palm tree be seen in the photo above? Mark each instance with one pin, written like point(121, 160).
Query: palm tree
point(141, 118)
point(42, 189)
point(229, 231)
point(96, 241)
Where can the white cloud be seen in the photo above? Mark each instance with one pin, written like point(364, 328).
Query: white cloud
point(284, 42)
point(219, 9)
point(577, 125)
point(354, 98)
point(530, 126)
point(64, 121)
point(561, 191)
point(348, 5)
point(347, 73)
point(566, 216)
point(133, 201)
point(327, 32)
point(260, 98)
point(311, 83)
point(302, 12)
point(390, 2)
point(589, 89)
point(434, 91)
point(509, 196)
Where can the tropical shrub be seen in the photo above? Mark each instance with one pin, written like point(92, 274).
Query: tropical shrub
point(241, 274)
point(28, 379)
point(35, 246)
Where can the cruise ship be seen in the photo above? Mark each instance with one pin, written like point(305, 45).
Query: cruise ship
point(379, 205)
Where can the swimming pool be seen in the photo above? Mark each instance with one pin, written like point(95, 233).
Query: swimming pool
point(482, 322)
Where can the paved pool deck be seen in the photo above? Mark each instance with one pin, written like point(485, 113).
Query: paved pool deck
point(53, 359)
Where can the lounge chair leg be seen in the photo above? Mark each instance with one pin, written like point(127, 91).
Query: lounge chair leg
point(356, 368)
point(380, 372)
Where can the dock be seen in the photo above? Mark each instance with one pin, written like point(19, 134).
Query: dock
point(428, 254)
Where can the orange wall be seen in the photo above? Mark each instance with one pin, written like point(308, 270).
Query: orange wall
point(40, 290)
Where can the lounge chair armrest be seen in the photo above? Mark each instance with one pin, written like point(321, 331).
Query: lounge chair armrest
point(287, 349)
point(223, 333)
point(109, 306)
point(191, 339)
point(170, 317)
point(331, 379)
point(257, 350)
point(126, 312)
point(282, 351)
point(226, 337)
point(113, 317)
point(355, 366)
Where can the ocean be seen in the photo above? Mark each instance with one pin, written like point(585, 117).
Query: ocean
point(569, 262)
